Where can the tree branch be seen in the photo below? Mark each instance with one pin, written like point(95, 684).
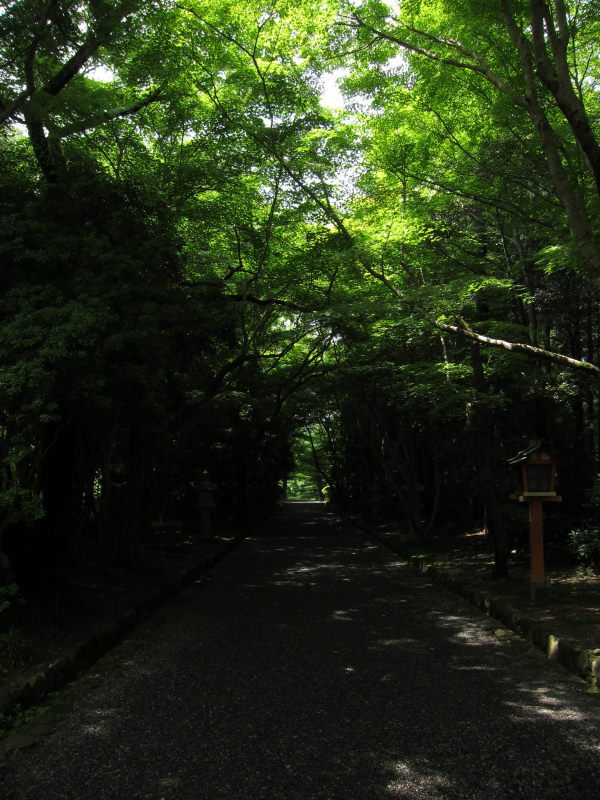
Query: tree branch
point(73, 66)
point(467, 332)
point(107, 116)
point(518, 347)
point(480, 67)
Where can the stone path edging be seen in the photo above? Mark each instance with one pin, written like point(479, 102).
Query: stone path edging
point(82, 656)
point(580, 661)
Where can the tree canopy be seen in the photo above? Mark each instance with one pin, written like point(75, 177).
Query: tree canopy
point(205, 267)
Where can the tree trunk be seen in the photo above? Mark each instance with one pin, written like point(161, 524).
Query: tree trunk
point(554, 72)
point(59, 483)
point(568, 193)
point(481, 445)
point(132, 510)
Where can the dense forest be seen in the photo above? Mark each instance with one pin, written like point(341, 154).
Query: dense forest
point(206, 264)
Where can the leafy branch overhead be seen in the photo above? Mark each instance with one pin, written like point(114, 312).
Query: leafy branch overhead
point(204, 262)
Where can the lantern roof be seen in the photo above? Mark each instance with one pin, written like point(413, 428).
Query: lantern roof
point(534, 446)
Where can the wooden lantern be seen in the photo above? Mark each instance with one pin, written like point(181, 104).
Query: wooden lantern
point(535, 472)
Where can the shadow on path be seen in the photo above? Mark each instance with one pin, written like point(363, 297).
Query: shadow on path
point(312, 665)
point(298, 518)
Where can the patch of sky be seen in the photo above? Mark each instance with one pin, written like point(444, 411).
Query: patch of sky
point(331, 95)
point(100, 73)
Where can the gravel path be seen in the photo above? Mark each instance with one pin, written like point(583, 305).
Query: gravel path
point(310, 665)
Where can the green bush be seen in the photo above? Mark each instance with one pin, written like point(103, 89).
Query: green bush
point(302, 487)
point(6, 592)
point(584, 544)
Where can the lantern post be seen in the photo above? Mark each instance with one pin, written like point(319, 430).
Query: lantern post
point(205, 502)
point(536, 484)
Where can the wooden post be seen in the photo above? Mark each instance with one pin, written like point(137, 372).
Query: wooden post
point(205, 503)
point(536, 547)
point(536, 481)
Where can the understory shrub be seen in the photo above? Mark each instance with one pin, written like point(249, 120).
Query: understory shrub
point(584, 544)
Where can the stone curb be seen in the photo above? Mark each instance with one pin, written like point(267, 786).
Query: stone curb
point(573, 656)
point(65, 669)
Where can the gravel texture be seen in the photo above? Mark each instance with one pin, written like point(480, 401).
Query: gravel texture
point(312, 665)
